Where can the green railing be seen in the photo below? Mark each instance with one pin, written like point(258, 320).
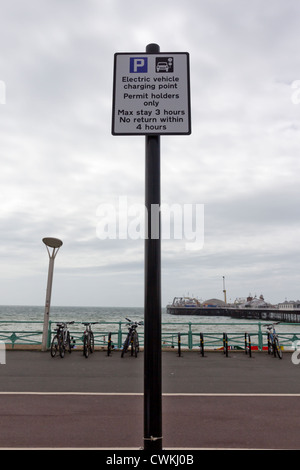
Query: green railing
point(16, 334)
point(288, 333)
point(22, 333)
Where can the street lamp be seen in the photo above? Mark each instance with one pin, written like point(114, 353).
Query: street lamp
point(55, 244)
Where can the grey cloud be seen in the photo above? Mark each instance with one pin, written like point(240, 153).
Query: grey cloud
point(59, 162)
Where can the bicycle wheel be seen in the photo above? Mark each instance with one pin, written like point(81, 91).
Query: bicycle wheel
point(92, 344)
point(61, 346)
point(132, 344)
point(269, 344)
point(86, 346)
point(135, 345)
point(273, 347)
point(125, 345)
point(277, 348)
point(54, 346)
point(68, 343)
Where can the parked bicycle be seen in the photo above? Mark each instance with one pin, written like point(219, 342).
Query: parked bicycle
point(88, 338)
point(273, 341)
point(61, 341)
point(132, 338)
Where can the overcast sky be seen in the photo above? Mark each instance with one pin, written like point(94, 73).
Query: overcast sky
point(59, 162)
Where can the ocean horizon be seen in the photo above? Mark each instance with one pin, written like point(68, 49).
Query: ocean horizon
point(26, 314)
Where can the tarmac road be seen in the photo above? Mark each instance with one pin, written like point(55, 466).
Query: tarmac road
point(210, 402)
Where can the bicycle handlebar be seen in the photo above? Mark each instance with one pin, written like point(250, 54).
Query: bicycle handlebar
point(134, 323)
point(65, 323)
point(268, 325)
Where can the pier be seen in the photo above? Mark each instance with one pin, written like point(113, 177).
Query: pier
point(266, 314)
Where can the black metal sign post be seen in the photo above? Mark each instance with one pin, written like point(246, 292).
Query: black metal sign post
point(151, 97)
point(152, 301)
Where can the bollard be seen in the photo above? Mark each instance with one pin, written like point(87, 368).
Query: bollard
point(225, 344)
point(120, 336)
point(179, 345)
point(201, 345)
point(249, 343)
point(260, 337)
point(109, 345)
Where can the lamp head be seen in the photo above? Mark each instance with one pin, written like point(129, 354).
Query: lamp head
point(52, 242)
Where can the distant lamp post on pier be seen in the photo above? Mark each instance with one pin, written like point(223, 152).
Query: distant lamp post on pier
point(224, 290)
point(54, 244)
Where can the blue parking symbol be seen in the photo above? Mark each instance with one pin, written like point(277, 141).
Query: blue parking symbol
point(138, 65)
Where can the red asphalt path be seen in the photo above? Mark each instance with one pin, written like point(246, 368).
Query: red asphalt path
point(210, 402)
point(106, 421)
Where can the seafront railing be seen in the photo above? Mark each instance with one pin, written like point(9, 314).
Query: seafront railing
point(20, 332)
point(29, 334)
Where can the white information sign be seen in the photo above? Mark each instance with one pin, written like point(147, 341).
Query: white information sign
point(151, 94)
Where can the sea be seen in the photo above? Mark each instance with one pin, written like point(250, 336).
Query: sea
point(26, 316)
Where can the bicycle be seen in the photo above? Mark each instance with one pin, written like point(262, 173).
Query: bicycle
point(273, 341)
point(61, 340)
point(132, 338)
point(88, 338)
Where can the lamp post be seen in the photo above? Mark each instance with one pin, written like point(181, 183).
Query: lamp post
point(54, 244)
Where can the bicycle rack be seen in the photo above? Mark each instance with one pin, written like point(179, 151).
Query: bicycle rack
point(201, 345)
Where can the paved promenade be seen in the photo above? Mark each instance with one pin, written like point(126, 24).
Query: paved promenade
point(211, 402)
